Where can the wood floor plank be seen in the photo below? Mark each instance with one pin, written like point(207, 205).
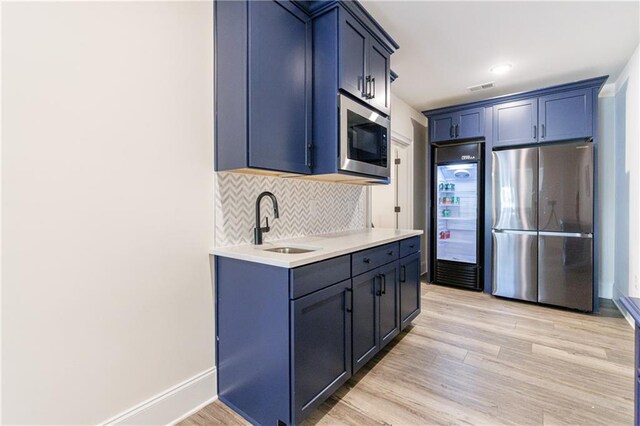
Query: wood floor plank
point(470, 358)
point(585, 361)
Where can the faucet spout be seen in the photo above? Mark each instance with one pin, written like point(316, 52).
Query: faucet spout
point(258, 230)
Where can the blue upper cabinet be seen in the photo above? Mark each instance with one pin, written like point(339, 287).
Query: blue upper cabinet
point(551, 114)
point(566, 115)
point(554, 117)
point(364, 68)
point(279, 66)
point(442, 127)
point(470, 124)
point(466, 124)
point(354, 42)
point(263, 86)
point(515, 123)
point(379, 77)
point(351, 56)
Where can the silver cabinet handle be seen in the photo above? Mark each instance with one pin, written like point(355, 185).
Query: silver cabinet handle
point(365, 87)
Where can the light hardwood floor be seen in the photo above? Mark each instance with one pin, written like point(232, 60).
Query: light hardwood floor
point(474, 359)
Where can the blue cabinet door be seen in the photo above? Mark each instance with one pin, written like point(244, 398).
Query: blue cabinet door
point(321, 346)
point(515, 123)
point(366, 338)
point(389, 294)
point(379, 74)
point(442, 127)
point(353, 56)
point(279, 87)
point(470, 124)
point(409, 288)
point(567, 115)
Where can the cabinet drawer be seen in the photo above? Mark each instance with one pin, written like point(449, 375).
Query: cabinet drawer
point(309, 278)
point(366, 260)
point(410, 245)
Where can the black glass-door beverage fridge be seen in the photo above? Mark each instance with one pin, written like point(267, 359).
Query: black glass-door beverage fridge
point(456, 214)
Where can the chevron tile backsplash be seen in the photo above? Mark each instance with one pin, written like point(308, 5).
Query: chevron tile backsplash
point(306, 207)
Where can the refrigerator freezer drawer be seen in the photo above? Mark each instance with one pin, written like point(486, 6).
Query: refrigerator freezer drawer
point(565, 271)
point(514, 257)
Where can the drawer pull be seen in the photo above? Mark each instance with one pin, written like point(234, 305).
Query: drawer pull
point(412, 246)
point(390, 253)
point(366, 260)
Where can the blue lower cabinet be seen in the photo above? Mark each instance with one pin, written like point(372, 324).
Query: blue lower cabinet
point(321, 346)
point(389, 316)
point(286, 339)
point(409, 282)
point(376, 311)
point(366, 338)
point(252, 339)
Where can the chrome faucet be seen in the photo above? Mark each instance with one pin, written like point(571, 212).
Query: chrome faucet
point(257, 231)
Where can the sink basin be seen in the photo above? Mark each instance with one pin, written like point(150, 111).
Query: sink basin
point(289, 250)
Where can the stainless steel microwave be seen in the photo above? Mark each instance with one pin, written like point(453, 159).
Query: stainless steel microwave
point(364, 139)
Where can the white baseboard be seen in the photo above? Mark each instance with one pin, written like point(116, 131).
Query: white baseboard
point(616, 300)
point(606, 291)
point(172, 405)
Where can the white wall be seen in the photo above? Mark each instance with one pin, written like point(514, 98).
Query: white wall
point(107, 205)
point(627, 180)
point(383, 197)
point(403, 116)
point(410, 125)
point(607, 193)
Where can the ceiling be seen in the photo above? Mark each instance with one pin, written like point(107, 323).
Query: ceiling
point(446, 47)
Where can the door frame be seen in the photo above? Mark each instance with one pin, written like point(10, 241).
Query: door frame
point(403, 142)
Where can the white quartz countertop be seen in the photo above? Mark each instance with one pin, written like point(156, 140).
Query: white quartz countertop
point(326, 245)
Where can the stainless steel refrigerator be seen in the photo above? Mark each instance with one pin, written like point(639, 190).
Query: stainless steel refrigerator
point(542, 234)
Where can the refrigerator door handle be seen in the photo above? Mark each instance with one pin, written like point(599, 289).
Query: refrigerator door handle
point(511, 231)
point(565, 234)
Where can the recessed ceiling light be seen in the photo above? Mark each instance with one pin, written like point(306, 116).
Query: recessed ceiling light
point(501, 69)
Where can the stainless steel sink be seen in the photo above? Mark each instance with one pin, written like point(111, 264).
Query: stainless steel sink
point(289, 250)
